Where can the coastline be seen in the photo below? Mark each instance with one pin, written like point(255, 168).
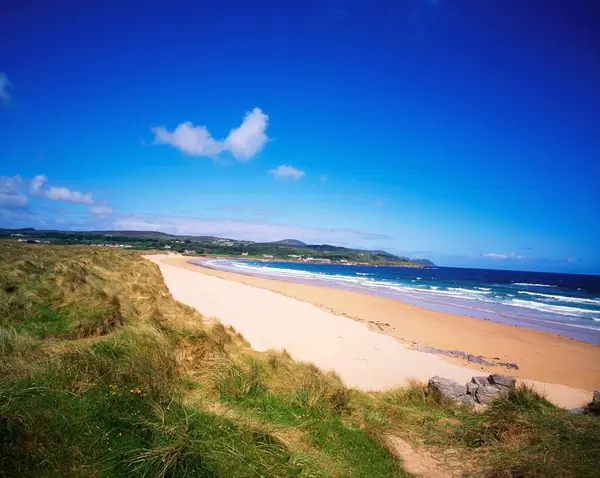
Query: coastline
point(498, 302)
point(296, 261)
point(541, 356)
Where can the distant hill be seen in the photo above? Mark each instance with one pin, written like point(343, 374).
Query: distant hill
point(288, 242)
point(145, 234)
point(149, 240)
point(424, 262)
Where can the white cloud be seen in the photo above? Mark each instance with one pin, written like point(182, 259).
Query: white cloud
point(11, 192)
point(38, 188)
point(510, 255)
point(243, 142)
point(250, 137)
point(4, 82)
point(238, 229)
point(191, 140)
point(285, 171)
point(101, 210)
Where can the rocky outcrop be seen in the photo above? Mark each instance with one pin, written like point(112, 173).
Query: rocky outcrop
point(480, 390)
point(445, 387)
point(478, 359)
point(594, 406)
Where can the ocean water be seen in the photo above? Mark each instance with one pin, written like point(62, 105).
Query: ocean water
point(566, 304)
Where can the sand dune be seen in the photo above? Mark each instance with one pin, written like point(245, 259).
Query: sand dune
point(362, 357)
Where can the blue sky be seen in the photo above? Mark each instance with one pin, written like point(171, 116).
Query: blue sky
point(467, 131)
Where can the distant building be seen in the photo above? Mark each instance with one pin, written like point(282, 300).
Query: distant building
point(167, 246)
point(189, 251)
point(244, 253)
point(268, 256)
point(295, 256)
point(318, 259)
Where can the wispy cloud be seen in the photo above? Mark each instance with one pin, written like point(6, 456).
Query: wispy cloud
point(13, 201)
point(4, 83)
point(247, 230)
point(510, 255)
point(101, 210)
point(285, 171)
point(243, 142)
point(11, 193)
point(323, 178)
point(38, 188)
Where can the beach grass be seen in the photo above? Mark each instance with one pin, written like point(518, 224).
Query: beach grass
point(103, 373)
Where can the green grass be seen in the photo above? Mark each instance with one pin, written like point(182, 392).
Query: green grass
point(102, 373)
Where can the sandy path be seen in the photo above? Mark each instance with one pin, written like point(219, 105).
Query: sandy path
point(362, 357)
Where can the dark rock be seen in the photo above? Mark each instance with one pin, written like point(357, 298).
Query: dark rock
point(472, 388)
point(465, 356)
point(483, 381)
point(467, 400)
point(476, 359)
point(427, 349)
point(479, 391)
point(493, 387)
point(451, 390)
point(593, 407)
point(486, 395)
point(504, 382)
point(445, 387)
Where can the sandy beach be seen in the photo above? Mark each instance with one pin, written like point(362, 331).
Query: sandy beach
point(371, 341)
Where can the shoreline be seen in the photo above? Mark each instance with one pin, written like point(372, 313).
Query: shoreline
point(464, 308)
point(541, 356)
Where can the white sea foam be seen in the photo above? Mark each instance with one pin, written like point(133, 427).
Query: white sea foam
point(552, 309)
point(562, 298)
point(526, 284)
point(467, 291)
point(422, 291)
point(367, 282)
